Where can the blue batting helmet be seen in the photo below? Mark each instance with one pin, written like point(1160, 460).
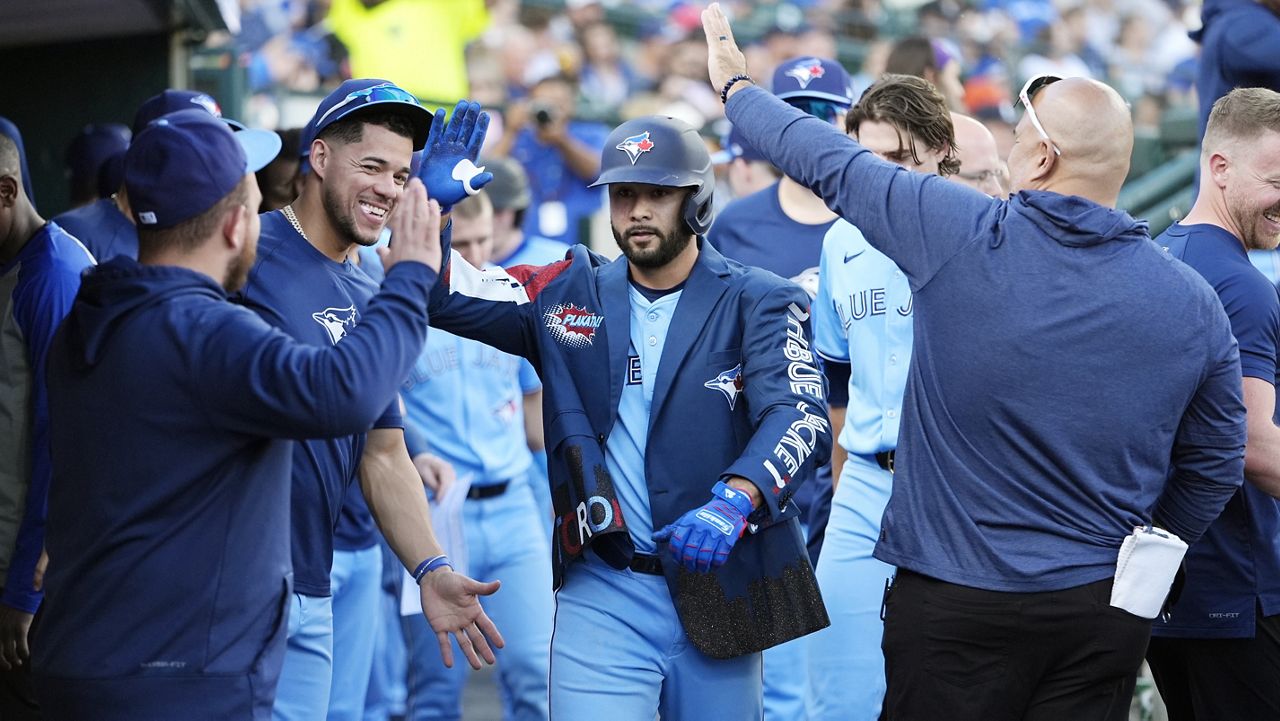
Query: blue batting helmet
point(659, 150)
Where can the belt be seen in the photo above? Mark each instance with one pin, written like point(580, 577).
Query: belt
point(646, 563)
point(478, 492)
point(885, 459)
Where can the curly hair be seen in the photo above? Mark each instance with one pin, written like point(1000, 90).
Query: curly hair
point(916, 109)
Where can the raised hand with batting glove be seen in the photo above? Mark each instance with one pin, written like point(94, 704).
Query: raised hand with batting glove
point(448, 166)
point(701, 539)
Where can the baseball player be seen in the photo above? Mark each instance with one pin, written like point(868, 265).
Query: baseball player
point(468, 398)
point(677, 551)
point(862, 329)
point(1217, 655)
point(360, 142)
point(748, 230)
point(40, 266)
point(169, 585)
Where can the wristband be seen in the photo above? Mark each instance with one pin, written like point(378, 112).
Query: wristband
point(430, 565)
point(724, 92)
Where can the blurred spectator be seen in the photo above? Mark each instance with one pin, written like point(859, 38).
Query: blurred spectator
point(87, 158)
point(561, 156)
point(418, 44)
point(1055, 52)
point(932, 60)
point(281, 181)
point(607, 80)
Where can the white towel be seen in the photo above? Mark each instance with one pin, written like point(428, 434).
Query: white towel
point(446, 521)
point(1148, 561)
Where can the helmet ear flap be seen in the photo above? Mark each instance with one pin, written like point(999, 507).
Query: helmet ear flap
point(697, 210)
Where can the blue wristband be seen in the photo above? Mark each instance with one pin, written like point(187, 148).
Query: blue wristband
point(430, 565)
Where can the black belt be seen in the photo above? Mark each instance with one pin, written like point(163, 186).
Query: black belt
point(885, 459)
point(477, 492)
point(646, 563)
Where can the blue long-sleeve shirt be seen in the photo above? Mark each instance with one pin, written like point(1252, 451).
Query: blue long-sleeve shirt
point(1239, 48)
point(1061, 361)
point(172, 409)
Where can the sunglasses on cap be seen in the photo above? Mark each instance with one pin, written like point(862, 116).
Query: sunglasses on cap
point(375, 94)
point(822, 109)
point(1033, 86)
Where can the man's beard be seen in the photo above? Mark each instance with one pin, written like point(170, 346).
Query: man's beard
point(341, 220)
point(238, 269)
point(669, 245)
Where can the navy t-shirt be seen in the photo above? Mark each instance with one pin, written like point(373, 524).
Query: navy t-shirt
point(1236, 564)
point(102, 228)
point(753, 230)
point(298, 289)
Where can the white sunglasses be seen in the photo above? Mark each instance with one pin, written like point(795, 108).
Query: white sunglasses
point(1028, 92)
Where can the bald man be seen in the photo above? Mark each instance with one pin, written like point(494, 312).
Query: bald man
point(980, 165)
point(1062, 364)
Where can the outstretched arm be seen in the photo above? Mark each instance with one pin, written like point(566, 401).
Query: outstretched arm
point(918, 220)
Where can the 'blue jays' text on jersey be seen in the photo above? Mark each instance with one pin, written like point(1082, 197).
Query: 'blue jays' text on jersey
point(624, 452)
point(862, 317)
point(296, 288)
point(755, 231)
point(102, 228)
point(1234, 569)
point(37, 288)
point(467, 398)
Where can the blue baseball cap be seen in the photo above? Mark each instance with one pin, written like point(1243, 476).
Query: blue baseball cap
point(735, 146)
point(171, 101)
point(815, 79)
point(10, 131)
point(91, 150)
point(183, 163)
point(360, 94)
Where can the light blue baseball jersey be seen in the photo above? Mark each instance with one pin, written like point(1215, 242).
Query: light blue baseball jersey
point(862, 316)
point(468, 399)
point(624, 451)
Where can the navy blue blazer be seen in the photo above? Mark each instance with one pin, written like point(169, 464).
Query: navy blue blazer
point(738, 393)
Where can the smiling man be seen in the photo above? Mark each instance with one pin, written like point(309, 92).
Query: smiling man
point(361, 141)
point(1218, 655)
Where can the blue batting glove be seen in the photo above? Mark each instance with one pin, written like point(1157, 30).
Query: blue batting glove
point(701, 539)
point(449, 159)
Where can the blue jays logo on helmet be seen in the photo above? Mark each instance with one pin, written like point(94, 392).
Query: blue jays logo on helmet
point(806, 71)
point(729, 383)
point(636, 145)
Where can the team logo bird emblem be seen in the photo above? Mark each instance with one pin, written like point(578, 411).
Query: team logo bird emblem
point(636, 145)
point(729, 383)
point(806, 71)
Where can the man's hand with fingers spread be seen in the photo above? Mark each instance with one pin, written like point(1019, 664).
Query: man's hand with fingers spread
point(415, 229)
point(451, 603)
point(724, 59)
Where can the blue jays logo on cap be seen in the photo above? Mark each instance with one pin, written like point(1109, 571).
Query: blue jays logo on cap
point(207, 103)
point(636, 145)
point(806, 71)
point(729, 383)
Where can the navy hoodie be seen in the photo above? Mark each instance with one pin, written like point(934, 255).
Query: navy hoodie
point(1061, 360)
point(1239, 48)
point(168, 532)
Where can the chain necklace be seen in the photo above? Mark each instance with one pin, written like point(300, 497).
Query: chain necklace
point(293, 220)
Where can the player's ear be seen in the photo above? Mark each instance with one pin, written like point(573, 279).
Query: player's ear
point(1046, 160)
point(235, 226)
point(321, 155)
point(9, 190)
point(1219, 169)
